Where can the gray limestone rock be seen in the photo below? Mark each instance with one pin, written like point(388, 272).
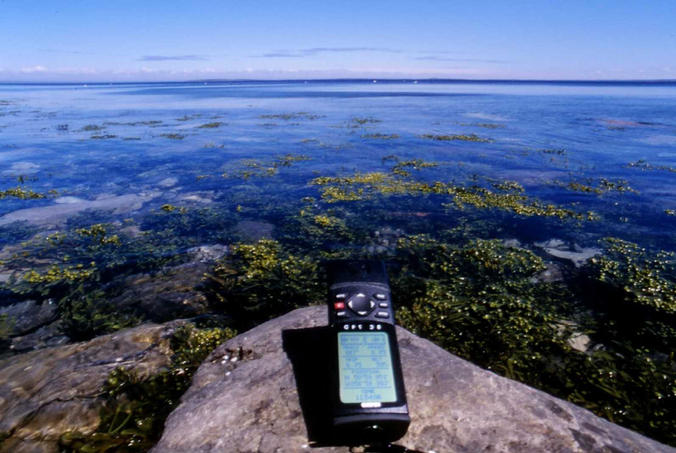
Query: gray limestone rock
point(46, 336)
point(28, 315)
point(244, 398)
point(48, 392)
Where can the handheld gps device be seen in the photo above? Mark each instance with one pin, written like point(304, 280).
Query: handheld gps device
point(369, 399)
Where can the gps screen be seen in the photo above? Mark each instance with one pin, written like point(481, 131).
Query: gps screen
point(365, 368)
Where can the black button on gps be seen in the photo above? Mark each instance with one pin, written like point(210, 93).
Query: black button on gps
point(361, 304)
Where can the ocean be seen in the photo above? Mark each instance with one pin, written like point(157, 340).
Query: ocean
point(600, 147)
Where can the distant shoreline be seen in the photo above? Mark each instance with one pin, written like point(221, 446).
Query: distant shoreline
point(571, 82)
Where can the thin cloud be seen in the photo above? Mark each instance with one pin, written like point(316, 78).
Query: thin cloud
point(65, 51)
point(300, 53)
point(172, 58)
point(313, 50)
point(461, 60)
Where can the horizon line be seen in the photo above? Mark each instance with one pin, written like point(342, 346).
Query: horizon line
point(353, 79)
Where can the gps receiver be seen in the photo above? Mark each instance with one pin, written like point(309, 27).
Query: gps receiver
point(368, 395)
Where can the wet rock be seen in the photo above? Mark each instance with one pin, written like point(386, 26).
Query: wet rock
point(576, 254)
point(168, 294)
point(384, 241)
point(553, 273)
point(27, 316)
point(208, 253)
point(46, 336)
point(48, 392)
point(244, 398)
point(254, 231)
point(579, 342)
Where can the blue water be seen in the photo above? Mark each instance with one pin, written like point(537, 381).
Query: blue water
point(600, 128)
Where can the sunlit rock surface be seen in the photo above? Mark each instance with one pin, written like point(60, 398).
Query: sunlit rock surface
point(48, 392)
point(244, 398)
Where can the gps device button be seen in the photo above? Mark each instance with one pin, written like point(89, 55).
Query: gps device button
point(361, 304)
point(380, 296)
point(382, 314)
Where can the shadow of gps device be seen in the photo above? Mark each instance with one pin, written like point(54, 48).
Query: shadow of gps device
point(368, 398)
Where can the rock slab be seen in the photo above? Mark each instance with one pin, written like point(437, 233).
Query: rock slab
point(244, 398)
point(47, 392)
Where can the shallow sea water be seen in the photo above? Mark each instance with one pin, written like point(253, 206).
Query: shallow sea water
point(129, 179)
point(144, 143)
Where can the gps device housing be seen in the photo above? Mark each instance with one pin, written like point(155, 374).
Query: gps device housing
point(368, 394)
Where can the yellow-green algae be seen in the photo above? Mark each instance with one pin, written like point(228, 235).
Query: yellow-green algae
point(643, 278)
point(508, 197)
point(604, 186)
point(263, 280)
point(258, 168)
point(21, 193)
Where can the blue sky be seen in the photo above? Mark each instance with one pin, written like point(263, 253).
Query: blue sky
point(120, 40)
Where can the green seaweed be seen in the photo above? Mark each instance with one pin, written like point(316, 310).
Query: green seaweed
point(639, 277)
point(259, 169)
point(134, 123)
point(363, 121)
point(6, 328)
point(643, 165)
point(103, 137)
point(457, 137)
point(173, 136)
point(213, 125)
point(484, 125)
point(556, 151)
point(86, 313)
point(480, 302)
point(380, 136)
point(92, 128)
point(136, 406)
point(189, 117)
point(484, 301)
point(262, 280)
point(291, 116)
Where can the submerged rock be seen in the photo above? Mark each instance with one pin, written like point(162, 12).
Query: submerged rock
point(244, 398)
point(173, 292)
point(578, 255)
point(69, 206)
point(48, 392)
point(208, 253)
point(254, 231)
point(168, 294)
